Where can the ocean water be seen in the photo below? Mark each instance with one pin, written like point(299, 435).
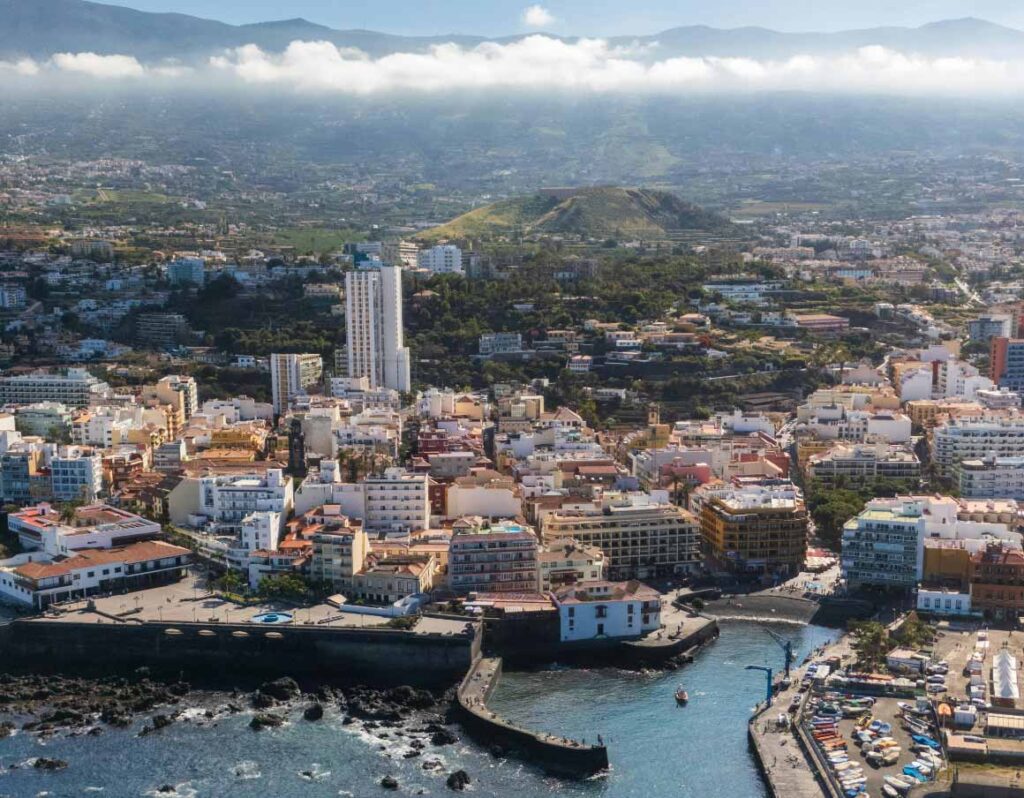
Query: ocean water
point(656, 748)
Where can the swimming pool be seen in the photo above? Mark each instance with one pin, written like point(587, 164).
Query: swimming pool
point(273, 617)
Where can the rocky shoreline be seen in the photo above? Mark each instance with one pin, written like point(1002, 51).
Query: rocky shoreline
point(53, 705)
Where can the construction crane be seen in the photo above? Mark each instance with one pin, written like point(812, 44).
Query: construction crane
point(786, 645)
point(768, 680)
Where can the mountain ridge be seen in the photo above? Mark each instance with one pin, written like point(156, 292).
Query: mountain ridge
point(40, 28)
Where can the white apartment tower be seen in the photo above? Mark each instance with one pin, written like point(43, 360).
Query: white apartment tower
point(290, 375)
point(373, 320)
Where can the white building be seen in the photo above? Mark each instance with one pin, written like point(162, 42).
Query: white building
point(991, 478)
point(374, 327)
point(957, 440)
point(937, 601)
point(291, 375)
point(37, 582)
point(73, 387)
point(884, 545)
point(442, 259)
point(45, 419)
point(225, 501)
point(261, 531)
point(603, 611)
point(393, 502)
point(77, 474)
point(95, 526)
point(501, 343)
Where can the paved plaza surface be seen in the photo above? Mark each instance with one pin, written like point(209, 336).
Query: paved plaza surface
point(189, 601)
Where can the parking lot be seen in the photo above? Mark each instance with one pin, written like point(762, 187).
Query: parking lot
point(886, 710)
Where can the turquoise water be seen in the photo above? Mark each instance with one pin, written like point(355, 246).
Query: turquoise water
point(657, 749)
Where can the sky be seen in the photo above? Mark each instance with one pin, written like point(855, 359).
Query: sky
point(590, 17)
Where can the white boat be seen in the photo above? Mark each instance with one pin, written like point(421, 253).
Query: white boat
point(890, 791)
point(899, 783)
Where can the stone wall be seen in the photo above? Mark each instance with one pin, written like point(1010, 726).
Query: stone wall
point(371, 656)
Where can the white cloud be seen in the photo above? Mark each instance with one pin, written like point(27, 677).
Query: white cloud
point(544, 64)
point(99, 66)
point(536, 16)
point(24, 67)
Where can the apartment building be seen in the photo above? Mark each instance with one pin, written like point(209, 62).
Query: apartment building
point(339, 553)
point(1006, 362)
point(442, 259)
point(224, 501)
point(501, 343)
point(991, 478)
point(851, 465)
point(161, 330)
point(76, 474)
point(374, 328)
point(291, 375)
point(493, 559)
point(997, 582)
point(756, 529)
point(396, 502)
point(641, 537)
point(186, 272)
point(884, 545)
point(51, 420)
point(72, 387)
point(566, 562)
point(956, 440)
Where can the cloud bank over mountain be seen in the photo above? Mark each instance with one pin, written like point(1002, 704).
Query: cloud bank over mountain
point(542, 63)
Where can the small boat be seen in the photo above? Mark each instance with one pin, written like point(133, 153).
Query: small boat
point(899, 784)
point(891, 757)
point(889, 791)
point(682, 697)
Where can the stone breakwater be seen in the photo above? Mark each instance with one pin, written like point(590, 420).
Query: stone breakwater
point(556, 755)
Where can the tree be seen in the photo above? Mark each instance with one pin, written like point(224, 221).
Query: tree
point(232, 582)
point(913, 632)
point(871, 642)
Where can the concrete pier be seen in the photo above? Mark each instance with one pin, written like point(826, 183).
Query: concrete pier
point(556, 755)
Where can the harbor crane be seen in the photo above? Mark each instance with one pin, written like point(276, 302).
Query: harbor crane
point(786, 645)
point(768, 678)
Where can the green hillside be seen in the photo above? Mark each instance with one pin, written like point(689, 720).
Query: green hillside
point(584, 212)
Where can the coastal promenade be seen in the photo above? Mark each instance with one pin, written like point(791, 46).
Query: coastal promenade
point(784, 754)
point(557, 755)
point(182, 628)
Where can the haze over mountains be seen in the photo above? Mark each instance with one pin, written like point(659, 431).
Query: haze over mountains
point(39, 28)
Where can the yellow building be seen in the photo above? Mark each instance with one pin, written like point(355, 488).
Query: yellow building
point(946, 562)
point(239, 436)
point(759, 529)
point(806, 448)
point(926, 413)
